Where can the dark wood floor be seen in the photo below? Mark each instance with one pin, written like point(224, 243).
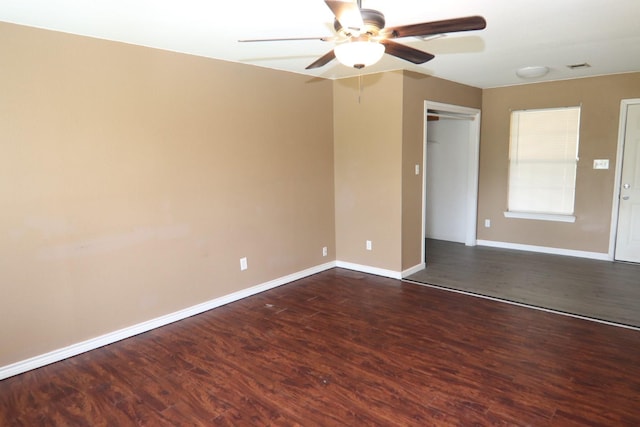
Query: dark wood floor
point(344, 348)
point(603, 290)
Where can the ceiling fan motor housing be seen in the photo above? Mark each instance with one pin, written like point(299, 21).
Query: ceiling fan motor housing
point(373, 23)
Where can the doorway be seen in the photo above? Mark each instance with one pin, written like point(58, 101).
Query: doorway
point(450, 178)
point(627, 202)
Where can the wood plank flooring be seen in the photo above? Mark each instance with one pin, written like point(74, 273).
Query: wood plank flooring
point(603, 290)
point(342, 348)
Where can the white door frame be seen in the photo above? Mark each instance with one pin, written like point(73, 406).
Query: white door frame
point(473, 156)
point(622, 127)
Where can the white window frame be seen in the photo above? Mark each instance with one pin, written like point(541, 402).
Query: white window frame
point(545, 216)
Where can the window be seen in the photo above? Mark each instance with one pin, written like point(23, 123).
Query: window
point(543, 157)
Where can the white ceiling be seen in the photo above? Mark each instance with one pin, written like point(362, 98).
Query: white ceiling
point(555, 33)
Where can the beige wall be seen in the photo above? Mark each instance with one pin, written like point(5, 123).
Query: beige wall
point(133, 180)
point(378, 142)
point(600, 99)
point(368, 155)
point(418, 88)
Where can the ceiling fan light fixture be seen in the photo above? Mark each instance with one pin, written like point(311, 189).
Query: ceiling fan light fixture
point(359, 54)
point(532, 72)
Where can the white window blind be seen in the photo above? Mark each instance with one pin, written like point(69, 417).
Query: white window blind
point(543, 156)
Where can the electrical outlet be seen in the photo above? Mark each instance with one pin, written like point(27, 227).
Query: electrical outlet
point(487, 223)
point(243, 264)
point(417, 169)
point(369, 245)
point(324, 251)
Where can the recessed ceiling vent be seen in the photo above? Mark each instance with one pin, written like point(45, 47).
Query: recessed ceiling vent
point(578, 66)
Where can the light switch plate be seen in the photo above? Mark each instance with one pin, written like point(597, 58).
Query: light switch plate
point(601, 164)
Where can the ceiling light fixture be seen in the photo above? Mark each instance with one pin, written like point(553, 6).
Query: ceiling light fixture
point(359, 54)
point(532, 72)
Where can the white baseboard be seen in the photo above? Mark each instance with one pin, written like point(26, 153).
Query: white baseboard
point(414, 269)
point(546, 250)
point(368, 269)
point(111, 337)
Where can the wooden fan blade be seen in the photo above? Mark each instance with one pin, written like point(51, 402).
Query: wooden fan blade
point(347, 13)
point(469, 23)
point(405, 52)
point(323, 60)
point(284, 39)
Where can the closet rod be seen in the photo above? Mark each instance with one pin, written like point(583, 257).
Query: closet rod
point(451, 116)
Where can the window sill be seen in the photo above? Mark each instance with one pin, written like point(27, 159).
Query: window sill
point(541, 216)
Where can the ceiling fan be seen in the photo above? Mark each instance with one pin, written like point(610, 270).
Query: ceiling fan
point(362, 38)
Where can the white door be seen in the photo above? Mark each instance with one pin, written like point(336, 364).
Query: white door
point(628, 234)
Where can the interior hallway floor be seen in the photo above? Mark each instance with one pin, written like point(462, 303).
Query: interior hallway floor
point(602, 290)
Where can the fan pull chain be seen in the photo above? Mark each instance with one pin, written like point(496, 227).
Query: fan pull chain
point(359, 88)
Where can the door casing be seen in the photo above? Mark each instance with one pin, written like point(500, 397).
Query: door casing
point(473, 159)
